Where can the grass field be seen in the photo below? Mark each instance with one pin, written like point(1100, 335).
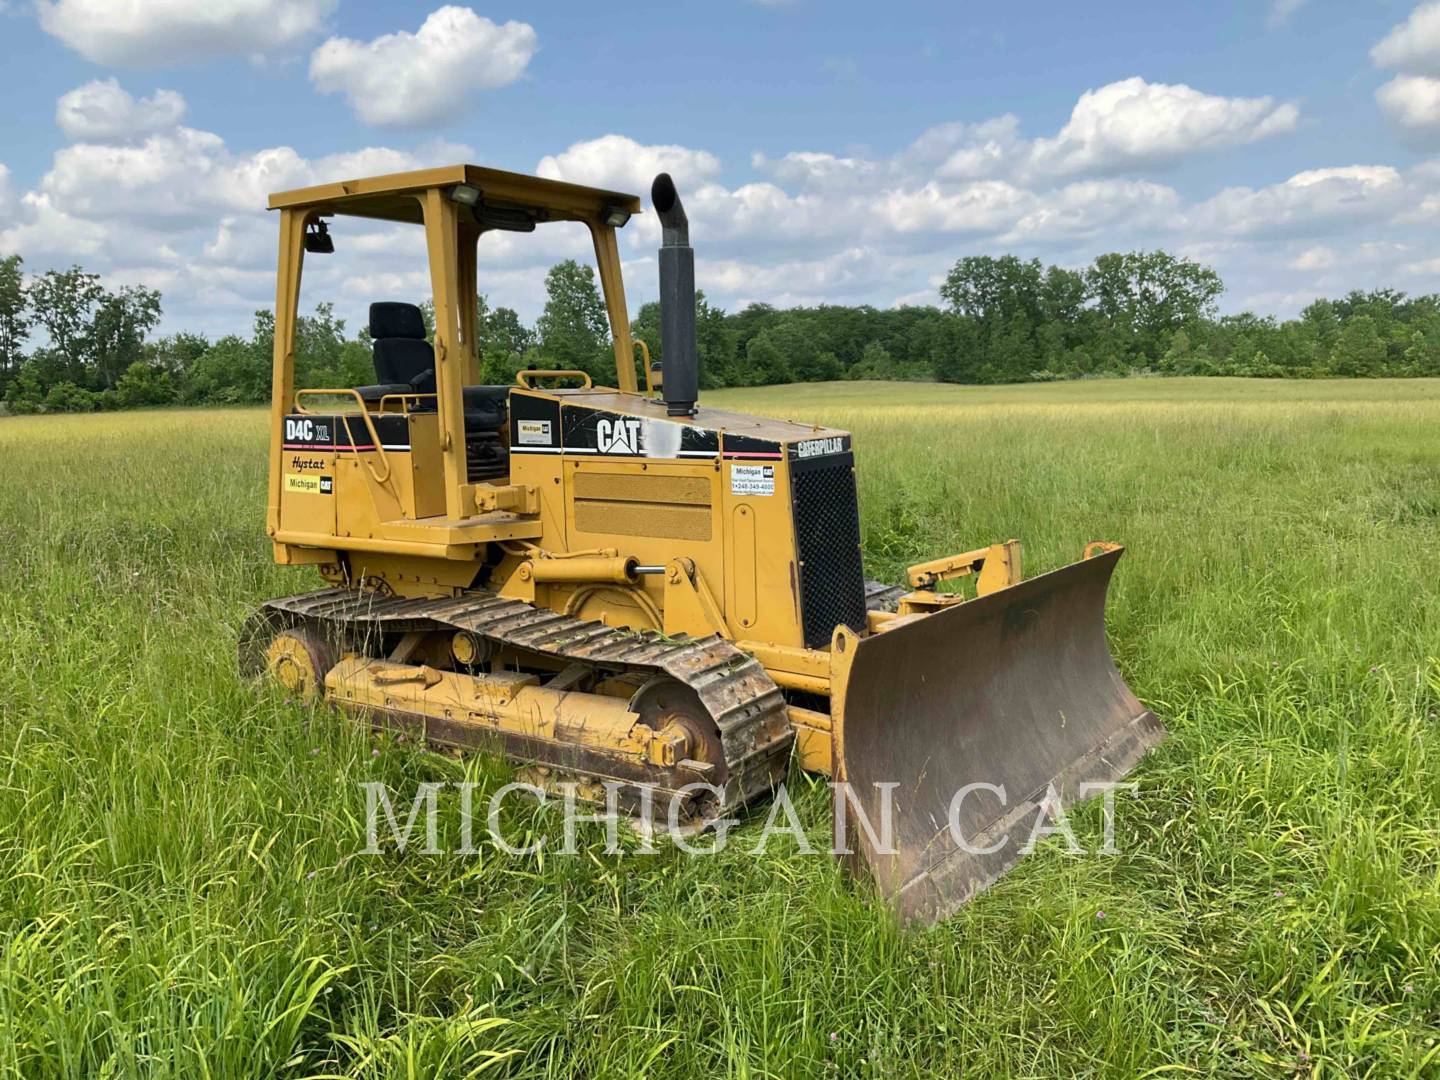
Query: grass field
point(180, 893)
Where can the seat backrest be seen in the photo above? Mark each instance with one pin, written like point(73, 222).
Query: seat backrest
point(402, 355)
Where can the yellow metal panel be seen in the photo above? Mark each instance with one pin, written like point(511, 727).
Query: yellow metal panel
point(776, 609)
point(642, 519)
point(643, 487)
point(653, 531)
point(543, 472)
point(427, 481)
point(305, 505)
point(413, 575)
point(355, 514)
point(740, 575)
point(812, 739)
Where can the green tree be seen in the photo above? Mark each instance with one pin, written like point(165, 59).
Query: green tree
point(1360, 351)
point(144, 384)
point(177, 353)
point(118, 329)
point(875, 363)
point(503, 330)
point(573, 329)
point(235, 370)
point(954, 350)
point(1006, 299)
point(767, 360)
point(714, 343)
point(992, 290)
point(67, 397)
point(26, 391)
point(64, 302)
point(324, 357)
point(1422, 355)
point(15, 318)
point(1177, 358)
point(1143, 297)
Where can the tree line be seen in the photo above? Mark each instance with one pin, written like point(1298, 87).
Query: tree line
point(70, 344)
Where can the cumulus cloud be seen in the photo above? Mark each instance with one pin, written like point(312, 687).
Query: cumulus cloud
point(138, 195)
point(1121, 127)
point(979, 207)
point(973, 151)
point(159, 33)
point(1313, 202)
point(1414, 45)
point(101, 111)
point(406, 80)
point(1135, 123)
point(1091, 208)
point(621, 163)
point(1412, 102)
point(180, 210)
point(812, 171)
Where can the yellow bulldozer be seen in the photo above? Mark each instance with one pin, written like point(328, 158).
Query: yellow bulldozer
point(653, 600)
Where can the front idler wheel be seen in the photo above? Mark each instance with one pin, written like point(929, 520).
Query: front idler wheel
point(297, 660)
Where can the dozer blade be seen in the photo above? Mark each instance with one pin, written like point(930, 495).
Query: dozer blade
point(1016, 689)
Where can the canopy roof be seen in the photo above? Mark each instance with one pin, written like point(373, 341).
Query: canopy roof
point(393, 197)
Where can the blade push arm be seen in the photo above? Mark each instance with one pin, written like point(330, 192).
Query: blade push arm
point(998, 567)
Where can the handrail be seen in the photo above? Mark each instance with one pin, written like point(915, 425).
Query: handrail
point(645, 363)
point(364, 413)
point(404, 399)
point(522, 377)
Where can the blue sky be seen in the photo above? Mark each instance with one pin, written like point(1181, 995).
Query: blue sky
point(827, 151)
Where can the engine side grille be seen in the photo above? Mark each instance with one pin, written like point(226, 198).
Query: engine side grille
point(827, 536)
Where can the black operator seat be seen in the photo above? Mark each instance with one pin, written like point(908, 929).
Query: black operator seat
point(405, 364)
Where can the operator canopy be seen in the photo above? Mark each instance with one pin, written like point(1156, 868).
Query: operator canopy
point(497, 199)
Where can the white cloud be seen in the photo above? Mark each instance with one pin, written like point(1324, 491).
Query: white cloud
point(1315, 258)
point(1135, 123)
point(978, 150)
point(985, 206)
point(407, 80)
point(1313, 202)
point(194, 211)
point(622, 164)
point(1414, 45)
point(186, 177)
point(1281, 10)
point(1121, 127)
point(813, 171)
point(139, 196)
point(1090, 208)
point(1412, 102)
point(158, 33)
point(103, 111)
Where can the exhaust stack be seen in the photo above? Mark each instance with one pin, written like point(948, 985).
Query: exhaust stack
point(680, 366)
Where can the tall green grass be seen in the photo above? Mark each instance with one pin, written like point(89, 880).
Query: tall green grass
point(181, 892)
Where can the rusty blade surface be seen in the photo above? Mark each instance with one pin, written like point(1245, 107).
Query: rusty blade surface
point(1016, 689)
